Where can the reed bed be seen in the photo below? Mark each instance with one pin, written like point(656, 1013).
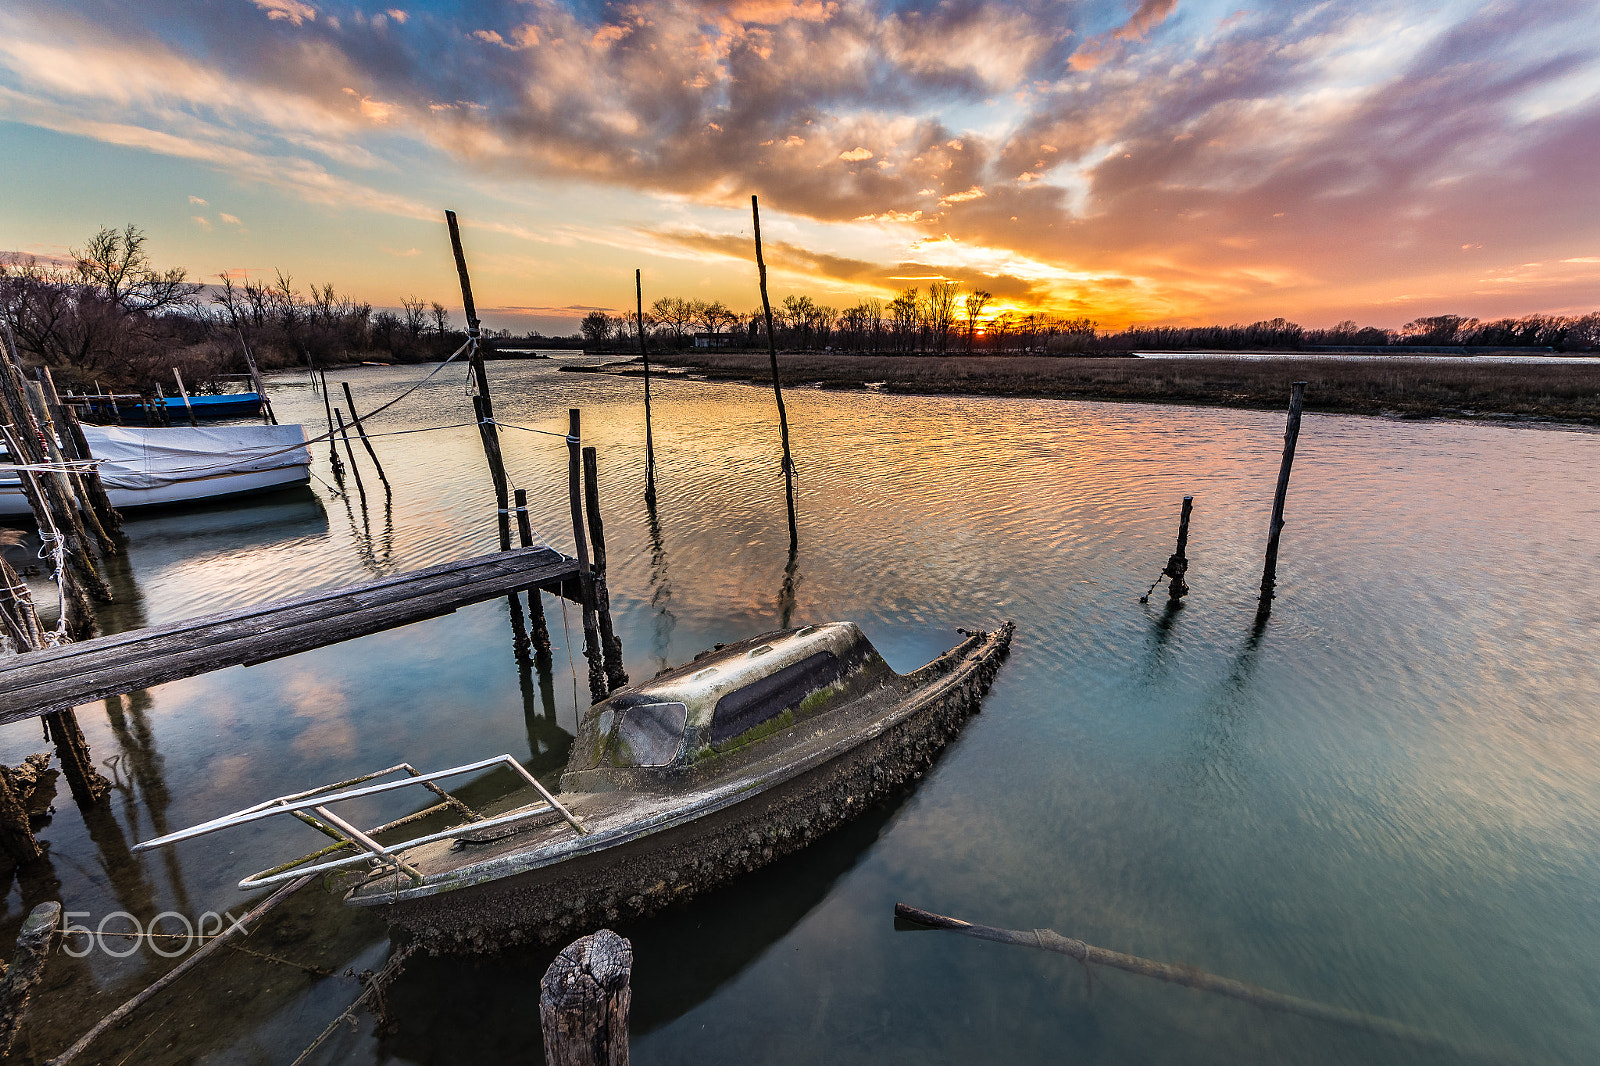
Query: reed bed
point(1406, 386)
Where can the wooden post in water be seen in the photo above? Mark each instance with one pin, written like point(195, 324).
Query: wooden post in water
point(187, 406)
point(541, 629)
point(1177, 563)
point(267, 414)
point(777, 388)
point(1291, 434)
point(644, 354)
point(610, 644)
point(356, 420)
point(583, 1002)
point(338, 418)
point(27, 966)
point(333, 446)
point(598, 688)
point(483, 404)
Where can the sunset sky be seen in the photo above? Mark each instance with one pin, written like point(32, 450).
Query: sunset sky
point(1174, 161)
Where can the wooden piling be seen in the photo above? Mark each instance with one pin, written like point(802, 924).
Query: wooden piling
point(483, 404)
point(610, 643)
point(777, 387)
point(333, 448)
point(187, 406)
point(649, 436)
point(27, 966)
point(598, 688)
point(80, 616)
point(338, 419)
point(355, 420)
point(490, 436)
point(541, 629)
point(67, 417)
point(267, 414)
point(584, 1000)
point(69, 481)
point(1177, 563)
point(1291, 435)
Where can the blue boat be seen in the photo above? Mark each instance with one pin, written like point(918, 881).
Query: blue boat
point(227, 405)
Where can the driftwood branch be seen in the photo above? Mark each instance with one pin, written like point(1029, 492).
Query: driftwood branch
point(1188, 976)
point(210, 948)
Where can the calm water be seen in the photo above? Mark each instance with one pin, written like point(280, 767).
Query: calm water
point(1386, 799)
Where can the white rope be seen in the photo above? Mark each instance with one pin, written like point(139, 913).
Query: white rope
point(66, 466)
point(569, 438)
point(56, 545)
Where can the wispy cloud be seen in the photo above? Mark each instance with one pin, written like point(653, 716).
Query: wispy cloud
point(1176, 158)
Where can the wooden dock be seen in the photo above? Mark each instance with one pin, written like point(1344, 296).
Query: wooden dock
point(37, 682)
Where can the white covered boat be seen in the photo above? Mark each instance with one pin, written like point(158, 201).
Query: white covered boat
point(158, 467)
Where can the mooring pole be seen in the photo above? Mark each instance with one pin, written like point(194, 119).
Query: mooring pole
point(187, 406)
point(333, 445)
point(483, 404)
point(541, 629)
point(584, 999)
point(598, 688)
point(1291, 434)
point(355, 420)
point(338, 418)
point(644, 354)
point(777, 388)
point(1178, 565)
point(610, 644)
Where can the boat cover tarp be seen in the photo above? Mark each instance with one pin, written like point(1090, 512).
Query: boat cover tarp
point(149, 458)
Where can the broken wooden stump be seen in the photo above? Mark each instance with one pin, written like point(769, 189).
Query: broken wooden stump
point(1177, 563)
point(583, 1002)
point(27, 966)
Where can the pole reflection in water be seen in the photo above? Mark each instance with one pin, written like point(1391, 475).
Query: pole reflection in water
point(662, 619)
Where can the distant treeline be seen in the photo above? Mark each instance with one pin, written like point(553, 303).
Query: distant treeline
point(108, 315)
point(940, 320)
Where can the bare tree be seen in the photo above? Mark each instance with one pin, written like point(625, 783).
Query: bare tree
point(976, 301)
point(114, 263)
point(941, 312)
point(675, 313)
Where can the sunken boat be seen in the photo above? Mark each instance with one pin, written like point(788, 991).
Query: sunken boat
point(674, 786)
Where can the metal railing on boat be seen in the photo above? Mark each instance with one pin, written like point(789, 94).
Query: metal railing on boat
point(311, 807)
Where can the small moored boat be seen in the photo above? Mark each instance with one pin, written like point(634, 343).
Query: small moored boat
point(675, 785)
point(162, 467)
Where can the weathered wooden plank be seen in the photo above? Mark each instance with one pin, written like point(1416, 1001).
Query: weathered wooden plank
point(400, 586)
point(36, 682)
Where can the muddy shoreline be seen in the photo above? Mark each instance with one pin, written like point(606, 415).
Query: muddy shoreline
point(1407, 387)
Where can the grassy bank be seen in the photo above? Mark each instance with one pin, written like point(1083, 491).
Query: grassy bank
point(1408, 386)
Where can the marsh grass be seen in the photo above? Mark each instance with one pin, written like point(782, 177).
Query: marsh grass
point(1398, 385)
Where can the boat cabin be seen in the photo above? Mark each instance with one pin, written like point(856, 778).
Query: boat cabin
point(682, 722)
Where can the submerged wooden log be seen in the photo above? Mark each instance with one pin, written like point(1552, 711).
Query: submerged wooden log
point(1188, 976)
point(583, 1002)
point(27, 966)
point(88, 785)
point(211, 947)
point(16, 835)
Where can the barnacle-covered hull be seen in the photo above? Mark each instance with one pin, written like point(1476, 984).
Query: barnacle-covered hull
point(717, 816)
